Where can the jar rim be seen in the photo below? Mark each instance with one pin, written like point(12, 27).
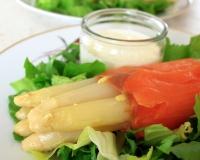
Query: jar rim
point(129, 12)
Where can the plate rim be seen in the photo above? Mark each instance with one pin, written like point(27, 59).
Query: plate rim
point(35, 35)
point(60, 28)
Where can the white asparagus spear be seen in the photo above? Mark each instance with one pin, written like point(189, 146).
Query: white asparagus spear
point(49, 141)
point(72, 97)
point(32, 99)
point(22, 128)
point(96, 114)
point(91, 92)
point(22, 113)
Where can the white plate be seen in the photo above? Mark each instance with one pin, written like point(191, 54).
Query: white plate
point(11, 69)
point(178, 8)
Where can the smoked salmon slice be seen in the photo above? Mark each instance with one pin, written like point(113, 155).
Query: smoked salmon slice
point(160, 93)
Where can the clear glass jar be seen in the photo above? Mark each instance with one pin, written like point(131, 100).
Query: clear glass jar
point(120, 37)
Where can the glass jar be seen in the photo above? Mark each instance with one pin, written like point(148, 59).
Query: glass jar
point(120, 37)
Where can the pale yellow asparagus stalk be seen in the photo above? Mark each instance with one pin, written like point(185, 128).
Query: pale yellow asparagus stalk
point(22, 128)
point(22, 113)
point(32, 99)
point(90, 92)
point(99, 113)
point(49, 141)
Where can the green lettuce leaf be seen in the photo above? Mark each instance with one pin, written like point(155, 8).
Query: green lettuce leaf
point(89, 69)
point(175, 52)
point(131, 157)
point(30, 69)
point(194, 47)
point(24, 84)
point(187, 151)
point(17, 137)
point(57, 70)
point(49, 5)
point(72, 52)
point(154, 134)
point(12, 108)
point(87, 152)
point(105, 142)
point(197, 112)
point(167, 143)
point(129, 146)
point(56, 80)
point(83, 7)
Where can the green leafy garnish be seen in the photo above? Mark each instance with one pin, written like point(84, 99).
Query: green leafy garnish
point(71, 53)
point(144, 157)
point(174, 51)
point(87, 152)
point(197, 112)
point(56, 71)
point(89, 69)
point(13, 108)
point(81, 8)
point(48, 4)
point(17, 137)
point(155, 134)
point(24, 84)
point(86, 147)
point(194, 47)
point(166, 144)
point(130, 145)
point(62, 79)
point(187, 151)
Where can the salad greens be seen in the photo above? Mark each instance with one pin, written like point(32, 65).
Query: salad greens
point(159, 142)
point(12, 108)
point(174, 51)
point(197, 112)
point(187, 151)
point(83, 7)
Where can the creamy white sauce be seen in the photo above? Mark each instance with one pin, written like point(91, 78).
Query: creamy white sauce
point(116, 54)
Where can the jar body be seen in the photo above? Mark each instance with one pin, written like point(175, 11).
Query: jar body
point(117, 41)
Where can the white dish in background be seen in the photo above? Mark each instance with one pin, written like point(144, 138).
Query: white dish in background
point(29, 5)
point(178, 8)
point(11, 69)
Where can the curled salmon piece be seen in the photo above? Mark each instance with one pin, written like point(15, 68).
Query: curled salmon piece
point(160, 93)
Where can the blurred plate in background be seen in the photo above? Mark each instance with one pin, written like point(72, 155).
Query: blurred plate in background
point(178, 8)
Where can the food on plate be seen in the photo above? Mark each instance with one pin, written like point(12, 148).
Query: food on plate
point(104, 103)
point(81, 8)
point(122, 95)
point(146, 112)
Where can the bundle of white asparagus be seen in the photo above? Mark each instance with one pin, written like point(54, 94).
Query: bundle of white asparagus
point(57, 114)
